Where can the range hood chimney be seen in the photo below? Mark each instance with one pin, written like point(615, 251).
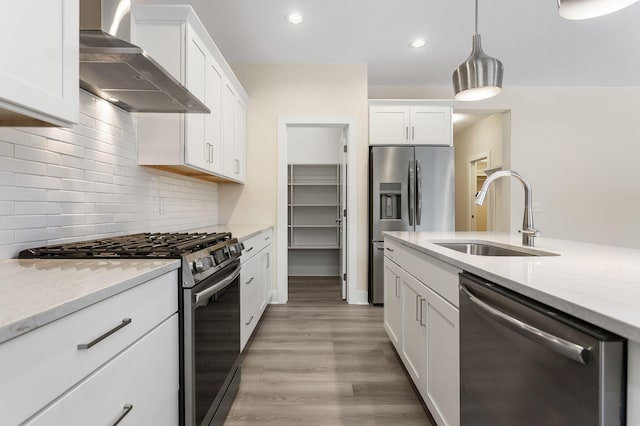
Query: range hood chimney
point(124, 74)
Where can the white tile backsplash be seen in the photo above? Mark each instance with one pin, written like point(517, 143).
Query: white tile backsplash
point(60, 185)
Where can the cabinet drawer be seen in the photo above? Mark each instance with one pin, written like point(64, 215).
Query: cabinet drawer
point(392, 250)
point(438, 276)
point(144, 376)
point(42, 364)
point(249, 306)
point(254, 244)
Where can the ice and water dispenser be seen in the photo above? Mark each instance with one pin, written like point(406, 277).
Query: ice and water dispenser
point(390, 200)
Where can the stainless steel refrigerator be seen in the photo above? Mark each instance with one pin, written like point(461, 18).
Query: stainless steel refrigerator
point(411, 188)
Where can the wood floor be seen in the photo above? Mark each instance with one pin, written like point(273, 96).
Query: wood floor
point(318, 361)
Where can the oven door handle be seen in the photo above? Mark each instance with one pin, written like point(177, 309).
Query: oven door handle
point(205, 294)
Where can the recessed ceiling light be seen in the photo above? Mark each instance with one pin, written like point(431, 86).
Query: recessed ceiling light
point(418, 43)
point(294, 18)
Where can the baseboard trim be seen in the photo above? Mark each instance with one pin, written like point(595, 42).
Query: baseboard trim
point(360, 298)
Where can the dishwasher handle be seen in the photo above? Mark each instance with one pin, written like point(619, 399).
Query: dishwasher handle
point(557, 344)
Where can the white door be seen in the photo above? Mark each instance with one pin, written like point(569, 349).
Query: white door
point(393, 289)
point(196, 152)
point(228, 130)
point(213, 121)
point(388, 125)
point(478, 220)
point(342, 220)
point(430, 126)
point(414, 339)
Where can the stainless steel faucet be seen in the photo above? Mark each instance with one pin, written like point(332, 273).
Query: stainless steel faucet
point(528, 231)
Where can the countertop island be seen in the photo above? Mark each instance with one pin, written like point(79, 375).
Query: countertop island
point(599, 284)
point(596, 283)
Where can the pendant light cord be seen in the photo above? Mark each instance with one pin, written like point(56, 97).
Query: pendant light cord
point(476, 16)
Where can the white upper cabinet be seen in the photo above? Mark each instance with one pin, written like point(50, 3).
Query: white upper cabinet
point(410, 122)
point(39, 83)
point(208, 146)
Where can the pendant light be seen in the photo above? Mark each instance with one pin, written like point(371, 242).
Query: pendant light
point(480, 75)
point(585, 9)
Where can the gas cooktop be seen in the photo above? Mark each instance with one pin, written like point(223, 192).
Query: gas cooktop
point(169, 245)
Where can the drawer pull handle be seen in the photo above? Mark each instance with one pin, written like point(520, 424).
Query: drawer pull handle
point(249, 249)
point(267, 238)
point(125, 410)
point(250, 280)
point(249, 322)
point(389, 249)
point(125, 322)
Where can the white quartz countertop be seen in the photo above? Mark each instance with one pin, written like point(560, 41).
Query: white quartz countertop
point(241, 232)
point(35, 292)
point(599, 284)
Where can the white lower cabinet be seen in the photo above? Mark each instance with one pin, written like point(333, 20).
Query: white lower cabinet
point(421, 318)
point(442, 382)
point(52, 363)
point(133, 387)
point(393, 303)
point(255, 283)
point(414, 341)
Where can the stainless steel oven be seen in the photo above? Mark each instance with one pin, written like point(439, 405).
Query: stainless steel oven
point(209, 312)
point(211, 346)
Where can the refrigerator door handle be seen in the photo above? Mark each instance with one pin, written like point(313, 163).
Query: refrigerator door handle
point(412, 192)
point(419, 192)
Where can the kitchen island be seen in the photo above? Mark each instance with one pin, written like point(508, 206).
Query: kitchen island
point(598, 284)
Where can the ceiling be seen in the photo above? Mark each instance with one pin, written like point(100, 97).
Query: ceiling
point(536, 46)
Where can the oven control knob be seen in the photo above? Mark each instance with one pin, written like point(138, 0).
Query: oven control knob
point(202, 264)
point(220, 255)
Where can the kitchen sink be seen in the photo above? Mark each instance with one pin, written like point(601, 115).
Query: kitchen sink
point(479, 248)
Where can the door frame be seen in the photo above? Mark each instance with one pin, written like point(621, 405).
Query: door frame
point(471, 182)
point(282, 264)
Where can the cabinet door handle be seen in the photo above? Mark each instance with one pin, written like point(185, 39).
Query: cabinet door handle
point(250, 280)
point(237, 163)
point(397, 286)
point(249, 322)
point(418, 298)
point(209, 153)
point(125, 410)
point(406, 133)
point(413, 133)
point(125, 322)
point(423, 302)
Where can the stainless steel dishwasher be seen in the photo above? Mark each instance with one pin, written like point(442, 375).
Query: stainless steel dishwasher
point(524, 363)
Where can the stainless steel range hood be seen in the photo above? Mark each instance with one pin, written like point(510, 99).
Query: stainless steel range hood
point(122, 73)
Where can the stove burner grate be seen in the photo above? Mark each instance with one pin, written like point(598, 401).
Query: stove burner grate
point(170, 245)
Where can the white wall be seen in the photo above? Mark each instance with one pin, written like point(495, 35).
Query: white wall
point(295, 90)
point(59, 185)
point(579, 147)
point(314, 145)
